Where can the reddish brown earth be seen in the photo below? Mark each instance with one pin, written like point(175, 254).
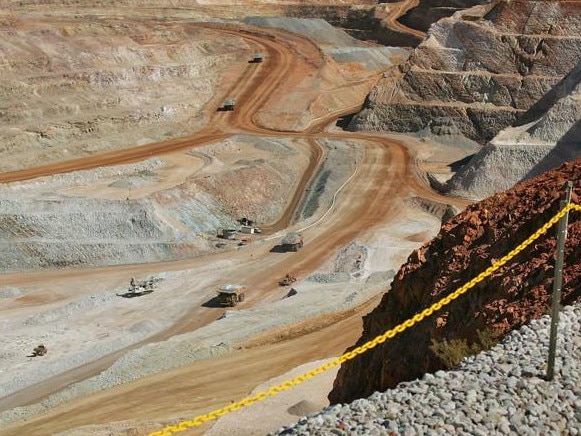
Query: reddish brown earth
point(385, 179)
point(204, 385)
point(467, 245)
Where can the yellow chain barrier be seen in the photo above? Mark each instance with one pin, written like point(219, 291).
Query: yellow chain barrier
point(274, 390)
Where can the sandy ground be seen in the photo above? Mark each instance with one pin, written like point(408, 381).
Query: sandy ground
point(178, 355)
point(309, 398)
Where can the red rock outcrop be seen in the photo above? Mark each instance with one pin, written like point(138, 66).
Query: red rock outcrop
point(465, 246)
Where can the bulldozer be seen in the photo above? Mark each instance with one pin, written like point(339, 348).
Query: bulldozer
point(288, 280)
point(39, 351)
point(143, 286)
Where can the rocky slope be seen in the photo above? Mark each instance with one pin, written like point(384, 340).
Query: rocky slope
point(427, 12)
point(500, 391)
point(373, 20)
point(73, 86)
point(541, 140)
point(465, 246)
point(478, 70)
point(151, 211)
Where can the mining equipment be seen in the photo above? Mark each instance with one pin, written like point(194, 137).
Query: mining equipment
point(39, 351)
point(231, 295)
point(288, 280)
point(292, 242)
point(143, 286)
point(257, 58)
point(229, 104)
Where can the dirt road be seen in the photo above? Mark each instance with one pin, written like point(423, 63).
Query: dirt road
point(384, 178)
point(203, 385)
point(398, 10)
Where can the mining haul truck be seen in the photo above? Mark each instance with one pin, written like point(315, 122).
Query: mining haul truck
point(292, 242)
point(257, 58)
point(229, 104)
point(231, 295)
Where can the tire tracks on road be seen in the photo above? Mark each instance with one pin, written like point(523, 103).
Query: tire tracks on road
point(373, 198)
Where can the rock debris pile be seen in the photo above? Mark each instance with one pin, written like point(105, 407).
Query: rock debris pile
point(466, 245)
point(501, 391)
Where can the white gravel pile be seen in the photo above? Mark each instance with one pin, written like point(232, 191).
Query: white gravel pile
point(372, 58)
point(501, 391)
point(317, 29)
point(9, 292)
point(336, 277)
point(496, 168)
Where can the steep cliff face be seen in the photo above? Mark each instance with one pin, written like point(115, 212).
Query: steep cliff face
point(539, 141)
point(465, 246)
point(478, 70)
point(427, 12)
point(75, 86)
point(381, 21)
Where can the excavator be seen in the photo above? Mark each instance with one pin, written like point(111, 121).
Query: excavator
point(288, 280)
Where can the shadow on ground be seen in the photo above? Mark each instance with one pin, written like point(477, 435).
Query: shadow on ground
point(343, 122)
point(213, 302)
point(278, 249)
point(134, 294)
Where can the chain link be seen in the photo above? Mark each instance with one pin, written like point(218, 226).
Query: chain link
point(199, 420)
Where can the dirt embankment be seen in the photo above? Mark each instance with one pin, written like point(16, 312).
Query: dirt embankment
point(466, 246)
point(363, 200)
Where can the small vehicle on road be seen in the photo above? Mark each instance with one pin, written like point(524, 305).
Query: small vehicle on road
point(231, 295)
point(229, 104)
point(257, 58)
point(288, 280)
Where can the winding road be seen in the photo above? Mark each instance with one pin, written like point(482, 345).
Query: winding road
point(386, 175)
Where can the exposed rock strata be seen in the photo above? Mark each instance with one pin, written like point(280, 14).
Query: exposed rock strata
point(365, 22)
point(428, 12)
point(74, 86)
point(47, 223)
point(370, 20)
point(539, 141)
point(464, 247)
point(480, 68)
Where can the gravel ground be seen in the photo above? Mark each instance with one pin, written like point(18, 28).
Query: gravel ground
point(69, 332)
point(501, 391)
point(215, 339)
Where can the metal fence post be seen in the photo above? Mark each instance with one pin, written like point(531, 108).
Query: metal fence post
point(557, 283)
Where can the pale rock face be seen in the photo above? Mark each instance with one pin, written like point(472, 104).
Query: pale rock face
point(540, 141)
point(88, 84)
point(480, 68)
